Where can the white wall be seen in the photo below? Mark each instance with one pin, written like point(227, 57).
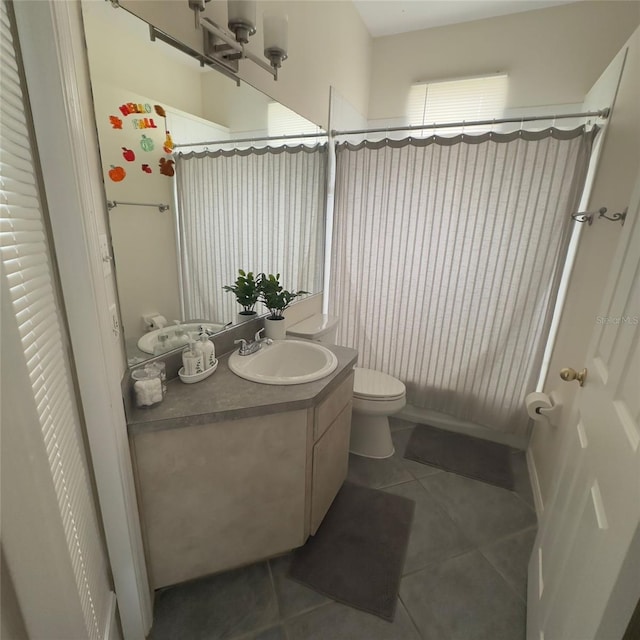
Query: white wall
point(619, 167)
point(241, 109)
point(121, 54)
point(143, 238)
point(553, 56)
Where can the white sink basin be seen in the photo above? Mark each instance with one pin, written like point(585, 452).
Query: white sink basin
point(149, 340)
point(285, 362)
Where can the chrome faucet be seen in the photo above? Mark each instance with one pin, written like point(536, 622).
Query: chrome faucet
point(247, 348)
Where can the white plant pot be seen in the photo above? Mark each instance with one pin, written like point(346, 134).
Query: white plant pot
point(274, 328)
point(245, 317)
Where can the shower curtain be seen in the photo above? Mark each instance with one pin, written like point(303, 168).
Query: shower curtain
point(252, 209)
point(446, 260)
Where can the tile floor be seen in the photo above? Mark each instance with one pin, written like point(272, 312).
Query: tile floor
point(464, 578)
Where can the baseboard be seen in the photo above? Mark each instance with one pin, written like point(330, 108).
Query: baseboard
point(449, 423)
point(535, 484)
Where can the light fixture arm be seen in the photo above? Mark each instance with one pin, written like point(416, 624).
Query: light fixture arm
point(217, 51)
point(197, 6)
point(214, 29)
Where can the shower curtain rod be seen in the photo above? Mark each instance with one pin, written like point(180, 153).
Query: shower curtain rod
point(260, 139)
point(602, 113)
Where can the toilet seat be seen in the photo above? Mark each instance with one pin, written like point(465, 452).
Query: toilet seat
point(376, 386)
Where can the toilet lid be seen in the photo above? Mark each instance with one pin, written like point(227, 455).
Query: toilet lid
point(376, 385)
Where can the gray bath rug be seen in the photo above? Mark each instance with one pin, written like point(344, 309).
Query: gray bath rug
point(471, 457)
point(357, 554)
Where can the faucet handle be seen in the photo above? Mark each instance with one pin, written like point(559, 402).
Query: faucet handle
point(243, 344)
point(257, 336)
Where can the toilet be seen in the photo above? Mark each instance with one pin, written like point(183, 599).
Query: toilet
point(376, 395)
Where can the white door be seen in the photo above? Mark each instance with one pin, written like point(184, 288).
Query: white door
point(587, 529)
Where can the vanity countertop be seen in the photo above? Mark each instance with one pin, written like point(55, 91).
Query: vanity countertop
point(226, 396)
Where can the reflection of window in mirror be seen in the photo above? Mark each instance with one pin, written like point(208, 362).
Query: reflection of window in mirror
point(281, 121)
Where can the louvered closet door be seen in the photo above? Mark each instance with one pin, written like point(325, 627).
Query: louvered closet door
point(28, 279)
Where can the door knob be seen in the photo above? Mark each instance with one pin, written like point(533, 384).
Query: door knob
point(568, 374)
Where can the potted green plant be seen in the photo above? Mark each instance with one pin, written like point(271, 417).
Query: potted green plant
point(247, 292)
point(276, 299)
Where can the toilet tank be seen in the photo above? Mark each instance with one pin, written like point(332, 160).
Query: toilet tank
point(320, 327)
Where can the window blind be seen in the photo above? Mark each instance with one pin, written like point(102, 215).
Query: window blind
point(28, 276)
point(281, 121)
point(467, 99)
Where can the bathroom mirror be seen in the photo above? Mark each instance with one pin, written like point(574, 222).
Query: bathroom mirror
point(148, 96)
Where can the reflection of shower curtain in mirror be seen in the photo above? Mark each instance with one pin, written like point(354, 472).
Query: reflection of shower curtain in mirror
point(445, 263)
point(252, 209)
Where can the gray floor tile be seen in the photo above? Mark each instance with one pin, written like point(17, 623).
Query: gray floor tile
point(223, 606)
point(275, 633)
point(377, 474)
point(338, 622)
point(463, 598)
point(510, 557)
point(483, 512)
point(272, 633)
point(416, 469)
point(434, 536)
point(522, 483)
point(293, 597)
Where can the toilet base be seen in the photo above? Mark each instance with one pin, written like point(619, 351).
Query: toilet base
point(370, 436)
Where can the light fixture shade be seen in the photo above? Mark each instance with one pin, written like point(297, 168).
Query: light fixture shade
point(276, 38)
point(242, 18)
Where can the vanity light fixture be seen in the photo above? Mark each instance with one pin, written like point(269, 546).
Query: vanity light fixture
point(226, 47)
point(241, 19)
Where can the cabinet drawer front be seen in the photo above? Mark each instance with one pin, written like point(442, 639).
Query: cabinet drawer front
point(329, 409)
point(330, 466)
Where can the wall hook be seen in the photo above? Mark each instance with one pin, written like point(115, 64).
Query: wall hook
point(615, 217)
point(587, 216)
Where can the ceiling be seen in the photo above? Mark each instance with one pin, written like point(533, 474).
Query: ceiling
point(386, 17)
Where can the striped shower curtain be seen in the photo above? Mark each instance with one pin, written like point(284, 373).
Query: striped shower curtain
point(252, 209)
point(446, 260)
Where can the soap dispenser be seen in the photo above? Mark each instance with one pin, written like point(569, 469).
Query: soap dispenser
point(208, 351)
point(180, 338)
point(162, 344)
point(192, 360)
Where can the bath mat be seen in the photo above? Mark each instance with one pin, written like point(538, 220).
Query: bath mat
point(471, 457)
point(357, 554)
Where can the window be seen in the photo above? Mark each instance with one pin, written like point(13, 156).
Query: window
point(469, 99)
point(284, 122)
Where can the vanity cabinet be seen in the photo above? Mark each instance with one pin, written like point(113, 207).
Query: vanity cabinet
point(220, 495)
point(330, 460)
